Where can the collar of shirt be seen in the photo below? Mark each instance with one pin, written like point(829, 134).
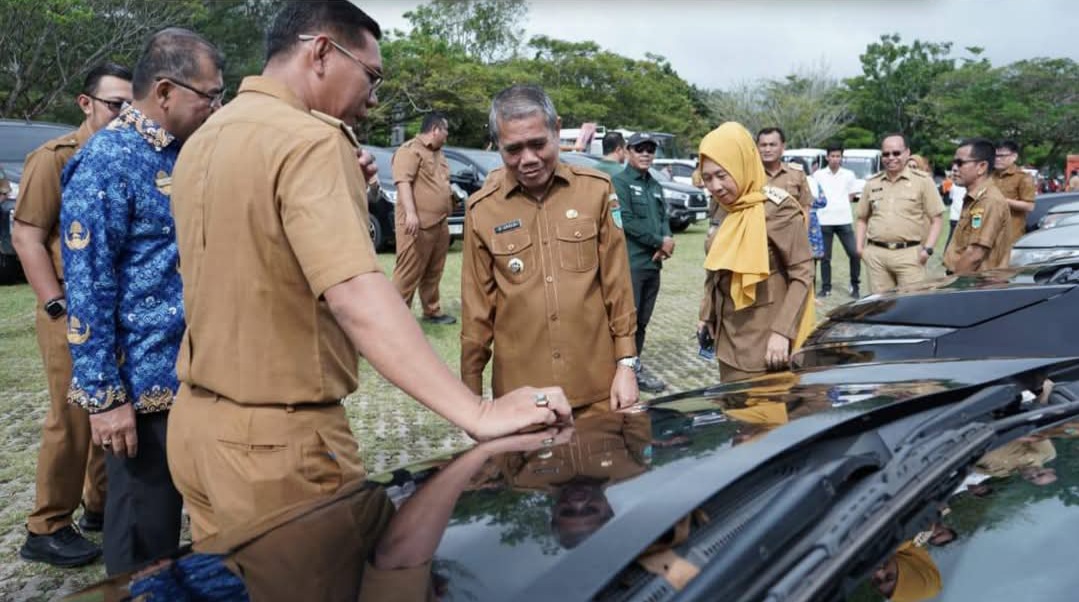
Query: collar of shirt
point(637, 174)
point(561, 172)
point(772, 174)
point(271, 87)
point(83, 134)
point(977, 195)
point(1007, 171)
point(152, 132)
point(903, 175)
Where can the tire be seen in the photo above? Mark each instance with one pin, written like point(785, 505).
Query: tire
point(680, 227)
point(10, 269)
point(378, 238)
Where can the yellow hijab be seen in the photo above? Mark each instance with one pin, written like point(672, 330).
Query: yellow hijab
point(918, 576)
point(741, 244)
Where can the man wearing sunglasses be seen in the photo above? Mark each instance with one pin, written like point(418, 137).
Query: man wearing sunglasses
point(283, 291)
point(901, 212)
point(124, 296)
point(648, 237)
point(1016, 185)
point(982, 239)
point(65, 439)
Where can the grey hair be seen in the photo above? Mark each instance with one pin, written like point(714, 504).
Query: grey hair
point(518, 102)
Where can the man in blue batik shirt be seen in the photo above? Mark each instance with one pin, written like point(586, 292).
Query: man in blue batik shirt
point(124, 294)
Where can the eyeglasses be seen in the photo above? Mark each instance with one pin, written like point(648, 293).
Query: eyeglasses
point(214, 98)
point(644, 149)
point(374, 77)
point(959, 162)
point(1002, 155)
point(887, 154)
point(113, 105)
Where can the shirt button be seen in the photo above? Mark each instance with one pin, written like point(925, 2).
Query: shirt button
point(550, 279)
point(577, 234)
point(511, 247)
point(556, 355)
point(546, 241)
point(554, 317)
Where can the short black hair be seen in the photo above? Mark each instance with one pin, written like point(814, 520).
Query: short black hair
point(173, 52)
point(341, 18)
point(833, 148)
point(981, 150)
point(1011, 145)
point(772, 130)
point(613, 141)
point(433, 120)
point(906, 141)
point(106, 69)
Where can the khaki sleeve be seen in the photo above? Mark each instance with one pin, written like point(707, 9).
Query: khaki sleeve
point(38, 203)
point(397, 585)
point(405, 165)
point(1027, 191)
point(994, 230)
point(863, 206)
point(787, 233)
point(323, 211)
point(615, 280)
point(478, 292)
point(934, 206)
point(708, 301)
point(805, 197)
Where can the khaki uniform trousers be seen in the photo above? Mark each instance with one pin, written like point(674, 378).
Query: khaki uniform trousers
point(236, 463)
point(69, 467)
point(891, 268)
point(728, 373)
point(420, 261)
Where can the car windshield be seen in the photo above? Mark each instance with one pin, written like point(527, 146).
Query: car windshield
point(660, 175)
point(488, 160)
point(861, 166)
point(17, 141)
point(383, 158)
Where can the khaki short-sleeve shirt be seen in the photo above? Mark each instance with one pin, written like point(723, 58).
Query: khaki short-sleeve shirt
point(428, 172)
point(983, 222)
point(1016, 184)
point(792, 178)
point(271, 211)
point(899, 210)
point(548, 284)
point(39, 191)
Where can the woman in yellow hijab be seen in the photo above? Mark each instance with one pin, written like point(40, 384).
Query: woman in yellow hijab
point(760, 267)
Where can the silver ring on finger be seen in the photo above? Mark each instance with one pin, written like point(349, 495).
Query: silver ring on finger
point(106, 442)
point(541, 400)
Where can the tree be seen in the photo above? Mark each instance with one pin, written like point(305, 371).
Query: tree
point(487, 30)
point(807, 105)
point(895, 79)
point(48, 46)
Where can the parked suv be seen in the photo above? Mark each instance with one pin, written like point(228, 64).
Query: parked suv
point(468, 171)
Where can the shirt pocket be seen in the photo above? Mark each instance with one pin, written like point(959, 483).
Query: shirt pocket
point(514, 256)
point(578, 245)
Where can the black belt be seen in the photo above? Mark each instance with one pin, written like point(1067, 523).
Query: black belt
point(893, 245)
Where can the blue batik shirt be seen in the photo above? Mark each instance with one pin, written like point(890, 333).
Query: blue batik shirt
point(124, 295)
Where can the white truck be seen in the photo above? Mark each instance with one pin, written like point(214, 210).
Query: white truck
point(864, 162)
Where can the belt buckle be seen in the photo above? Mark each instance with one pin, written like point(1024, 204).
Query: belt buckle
point(893, 246)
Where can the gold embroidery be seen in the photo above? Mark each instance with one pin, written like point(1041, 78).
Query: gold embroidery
point(103, 400)
point(164, 183)
point(156, 399)
point(77, 238)
point(77, 333)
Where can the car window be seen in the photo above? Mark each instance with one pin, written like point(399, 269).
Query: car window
point(861, 166)
point(458, 167)
point(682, 171)
point(383, 158)
point(17, 141)
point(660, 175)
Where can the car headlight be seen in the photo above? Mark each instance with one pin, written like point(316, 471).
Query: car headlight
point(1050, 220)
point(674, 195)
point(858, 331)
point(1021, 257)
point(14, 194)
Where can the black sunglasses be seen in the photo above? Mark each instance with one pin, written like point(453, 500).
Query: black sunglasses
point(113, 105)
point(644, 148)
point(964, 161)
point(892, 154)
point(214, 98)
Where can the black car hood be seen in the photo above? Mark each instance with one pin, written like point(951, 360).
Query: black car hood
point(977, 298)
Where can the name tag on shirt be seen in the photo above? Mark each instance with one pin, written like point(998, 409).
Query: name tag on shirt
point(508, 226)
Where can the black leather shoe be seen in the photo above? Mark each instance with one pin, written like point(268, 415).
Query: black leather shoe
point(91, 522)
point(66, 548)
point(649, 383)
point(824, 292)
point(854, 292)
point(440, 319)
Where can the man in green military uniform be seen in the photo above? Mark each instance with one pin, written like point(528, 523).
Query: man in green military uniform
point(648, 236)
point(614, 154)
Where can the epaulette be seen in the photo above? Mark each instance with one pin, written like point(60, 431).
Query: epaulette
point(588, 171)
point(337, 124)
point(875, 176)
point(918, 172)
point(491, 186)
point(796, 165)
point(62, 142)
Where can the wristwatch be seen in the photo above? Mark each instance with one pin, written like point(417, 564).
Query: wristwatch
point(928, 250)
point(633, 363)
point(55, 307)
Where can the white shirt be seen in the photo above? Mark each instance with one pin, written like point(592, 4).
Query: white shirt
point(837, 187)
point(957, 193)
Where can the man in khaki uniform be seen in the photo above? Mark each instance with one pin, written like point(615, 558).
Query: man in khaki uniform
point(424, 201)
point(771, 142)
point(982, 239)
point(65, 442)
point(545, 275)
point(901, 210)
point(1017, 187)
point(268, 357)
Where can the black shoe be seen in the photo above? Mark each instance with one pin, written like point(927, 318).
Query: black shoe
point(649, 383)
point(66, 548)
point(854, 292)
point(440, 319)
point(91, 522)
point(824, 292)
